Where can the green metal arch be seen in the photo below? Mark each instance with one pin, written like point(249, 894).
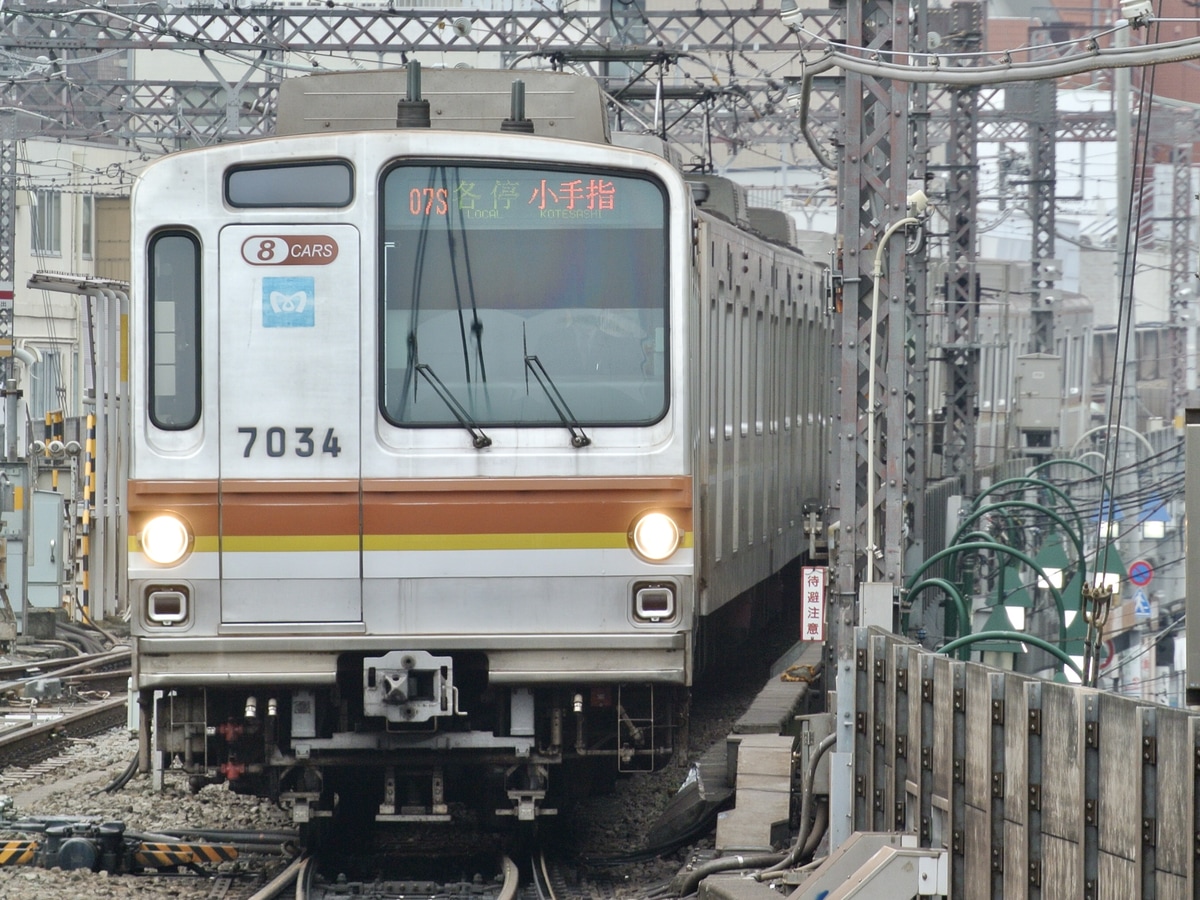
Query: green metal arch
point(1076, 539)
point(1038, 483)
point(998, 548)
point(964, 615)
point(1018, 636)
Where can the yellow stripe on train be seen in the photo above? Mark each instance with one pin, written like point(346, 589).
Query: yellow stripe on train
point(377, 542)
point(548, 541)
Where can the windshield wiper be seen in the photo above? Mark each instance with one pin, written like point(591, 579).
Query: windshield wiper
point(534, 365)
point(478, 438)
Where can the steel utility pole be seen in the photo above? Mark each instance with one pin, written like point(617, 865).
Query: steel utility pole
point(961, 350)
point(866, 484)
point(1183, 277)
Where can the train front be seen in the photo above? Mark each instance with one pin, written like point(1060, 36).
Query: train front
point(411, 499)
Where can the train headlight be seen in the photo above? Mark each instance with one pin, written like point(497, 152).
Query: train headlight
point(654, 536)
point(165, 540)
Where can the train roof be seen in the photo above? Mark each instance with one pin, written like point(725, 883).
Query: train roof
point(555, 104)
point(558, 104)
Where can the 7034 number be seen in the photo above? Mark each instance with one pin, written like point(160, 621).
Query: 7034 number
point(275, 441)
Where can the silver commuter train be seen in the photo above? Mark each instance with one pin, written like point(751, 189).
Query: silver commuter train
point(455, 449)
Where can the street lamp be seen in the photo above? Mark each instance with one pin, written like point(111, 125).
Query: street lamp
point(1014, 599)
point(1154, 519)
point(1000, 651)
point(1076, 647)
point(1072, 598)
point(1053, 560)
point(1109, 569)
point(1108, 519)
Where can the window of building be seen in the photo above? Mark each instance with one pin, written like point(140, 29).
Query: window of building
point(46, 219)
point(87, 228)
point(45, 385)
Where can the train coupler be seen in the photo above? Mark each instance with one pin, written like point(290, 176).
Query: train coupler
point(526, 788)
point(409, 687)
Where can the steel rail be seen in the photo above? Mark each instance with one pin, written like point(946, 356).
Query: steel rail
point(33, 741)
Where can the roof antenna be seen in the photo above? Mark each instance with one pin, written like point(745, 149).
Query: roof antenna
point(413, 112)
point(517, 120)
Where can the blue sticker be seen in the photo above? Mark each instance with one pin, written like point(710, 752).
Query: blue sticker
point(288, 302)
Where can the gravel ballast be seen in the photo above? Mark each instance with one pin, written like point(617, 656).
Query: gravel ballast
point(75, 788)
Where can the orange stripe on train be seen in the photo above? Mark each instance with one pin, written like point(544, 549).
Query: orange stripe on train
point(413, 507)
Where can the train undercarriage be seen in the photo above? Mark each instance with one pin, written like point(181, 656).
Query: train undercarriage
point(409, 736)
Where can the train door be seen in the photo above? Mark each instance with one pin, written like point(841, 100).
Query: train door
point(290, 489)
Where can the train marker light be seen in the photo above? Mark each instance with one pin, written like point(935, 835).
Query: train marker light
point(654, 603)
point(167, 606)
point(165, 540)
point(654, 536)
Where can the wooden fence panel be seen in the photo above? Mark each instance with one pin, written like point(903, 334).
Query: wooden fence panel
point(1037, 789)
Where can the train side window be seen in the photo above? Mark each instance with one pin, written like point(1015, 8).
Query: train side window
point(327, 184)
point(775, 373)
point(713, 373)
point(173, 333)
point(729, 364)
point(760, 369)
point(788, 369)
point(745, 370)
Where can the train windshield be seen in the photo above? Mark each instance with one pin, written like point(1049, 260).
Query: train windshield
point(503, 287)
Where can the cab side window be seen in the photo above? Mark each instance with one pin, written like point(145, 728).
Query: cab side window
point(174, 330)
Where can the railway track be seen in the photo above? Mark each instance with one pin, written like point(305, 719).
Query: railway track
point(16, 673)
point(41, 734)
point(302, 879)
point(541, 878)
point(86, 675)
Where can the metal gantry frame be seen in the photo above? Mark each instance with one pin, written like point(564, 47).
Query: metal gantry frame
point(1183, 275)
point(874, 186)
point(874, 167)
point(1042, 175)
point(961, 349)
point(59, 61)
point(917, 339)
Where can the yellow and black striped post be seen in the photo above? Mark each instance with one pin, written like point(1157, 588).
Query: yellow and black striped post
point(53, 430)
point(163, 856)
point(89, 493)
point(17, 853)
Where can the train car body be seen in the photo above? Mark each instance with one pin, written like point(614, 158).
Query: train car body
point(446, 444)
